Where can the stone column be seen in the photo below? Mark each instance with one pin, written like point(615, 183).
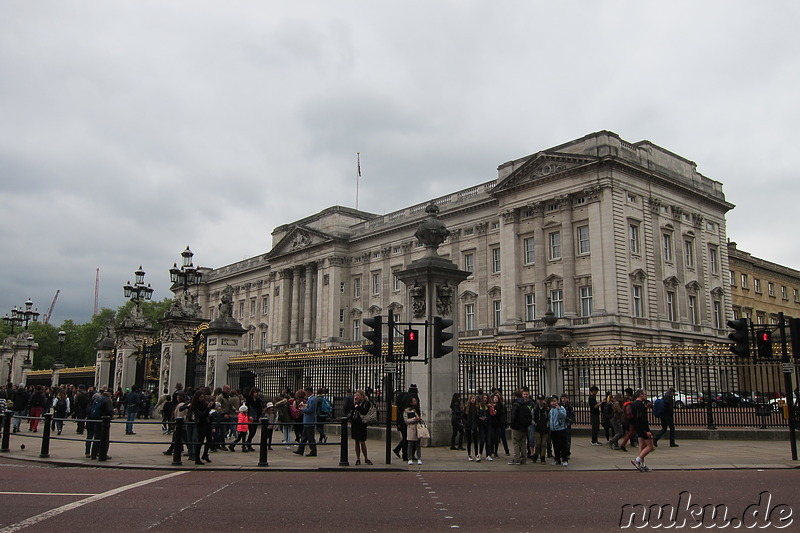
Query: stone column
point(19, 352)
point(568, 259)
point(223, 340)
point(129, 344)
point(308, 314)
point(175, 333)
point(103, 360)
point(295, 309)
point(509, 272)
point(540, 258)
point(433, 283)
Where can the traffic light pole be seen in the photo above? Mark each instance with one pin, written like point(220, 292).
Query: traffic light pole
point(388, 387)
point(788, 369)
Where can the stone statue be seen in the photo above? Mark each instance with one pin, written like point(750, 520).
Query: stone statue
point(444, 299)
point(226, 302)
point(417, 293)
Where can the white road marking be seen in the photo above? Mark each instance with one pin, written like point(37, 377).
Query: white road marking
point(74, 505)
point(17, 493)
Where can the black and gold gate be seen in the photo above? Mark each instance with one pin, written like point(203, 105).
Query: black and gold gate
point(196, 358)
point(148, 364)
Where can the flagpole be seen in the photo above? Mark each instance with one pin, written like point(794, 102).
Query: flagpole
point(358, 175)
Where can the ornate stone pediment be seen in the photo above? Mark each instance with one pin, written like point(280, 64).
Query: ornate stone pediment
point(672, 282)
point(638, 275)
point(542, 166)
point(297, 239)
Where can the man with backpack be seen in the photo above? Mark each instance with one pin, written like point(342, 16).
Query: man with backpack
point(102, 405)
point(520, 420)
point(664, 409)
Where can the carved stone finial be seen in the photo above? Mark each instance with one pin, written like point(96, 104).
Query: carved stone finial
point(432, 232)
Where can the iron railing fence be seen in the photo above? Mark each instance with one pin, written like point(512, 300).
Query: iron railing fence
point(742, 393)
point(334, 369)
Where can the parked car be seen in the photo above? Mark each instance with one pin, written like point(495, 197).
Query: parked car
point(686, 399)
point(730, 399)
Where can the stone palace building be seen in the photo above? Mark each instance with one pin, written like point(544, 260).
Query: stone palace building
point(626, 242)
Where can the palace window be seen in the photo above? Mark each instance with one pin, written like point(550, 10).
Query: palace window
point(555, 245)
point(469, 316)
point(557, 302)
point(583, 240)
point(530, 307)
point(586, 301)
point(495, 260)
point(528, 251)
point(633, 238)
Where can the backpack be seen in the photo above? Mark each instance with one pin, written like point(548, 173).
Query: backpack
point(96, 409)
point(658, 408)
point(627, 408)
point(326, 408)
point(61, 408)
point(608, 410)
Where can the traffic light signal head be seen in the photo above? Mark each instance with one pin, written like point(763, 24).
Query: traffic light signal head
point(411, 343)
point(440, 336)
point(764, 343)
point(740, 337)
point(373, 335)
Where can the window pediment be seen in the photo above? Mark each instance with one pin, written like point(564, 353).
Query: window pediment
point(638, 275)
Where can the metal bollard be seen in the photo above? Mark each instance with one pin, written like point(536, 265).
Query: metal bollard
point(45, 452)
point(262, 456)
point(6, 446)
point(343, 459)
point(177, 442)
point(105, 435)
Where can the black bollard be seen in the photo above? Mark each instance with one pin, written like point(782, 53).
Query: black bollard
point(262, 456)
point(105, 436)
point(177, 442)
point(343, 459)
point(45, 453)
point(6, 446)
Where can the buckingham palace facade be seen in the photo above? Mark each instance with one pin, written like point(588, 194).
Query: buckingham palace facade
point(625, 242)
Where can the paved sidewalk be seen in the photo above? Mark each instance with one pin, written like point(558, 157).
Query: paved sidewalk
point(144, 450)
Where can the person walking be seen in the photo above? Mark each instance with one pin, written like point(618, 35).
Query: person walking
point(667, 418)
point(309, 410)
point(358, 429)
point(37, 404)
point(413, 417)
point(642, 429)
point(133, 399)
point(61, 409)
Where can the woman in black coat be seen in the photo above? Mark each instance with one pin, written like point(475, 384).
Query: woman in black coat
point(199, 412)
point(361, 405)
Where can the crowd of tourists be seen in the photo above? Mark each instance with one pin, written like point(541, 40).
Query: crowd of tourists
point(541, 426)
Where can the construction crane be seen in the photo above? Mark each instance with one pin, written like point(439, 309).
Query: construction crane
point(96, 292)
point(52, 305)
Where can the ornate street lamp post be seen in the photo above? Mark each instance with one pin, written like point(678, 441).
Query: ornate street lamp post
point(187, 274)
point(138, 290)
point(28, 363)
point(60, 360)
point(20, 316)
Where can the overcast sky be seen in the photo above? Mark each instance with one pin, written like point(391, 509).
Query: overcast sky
point(129, 130)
